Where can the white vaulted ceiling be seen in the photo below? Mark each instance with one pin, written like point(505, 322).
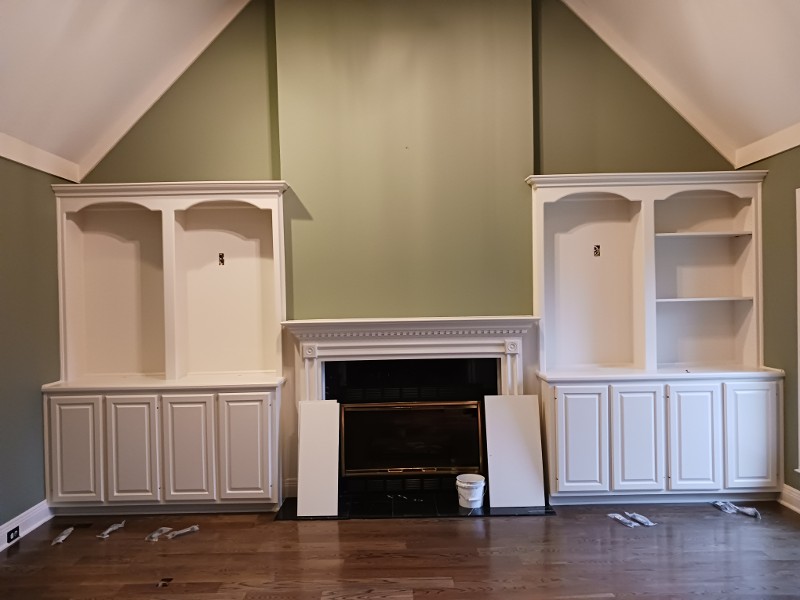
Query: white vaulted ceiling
point(75, 75)
point(729, 67)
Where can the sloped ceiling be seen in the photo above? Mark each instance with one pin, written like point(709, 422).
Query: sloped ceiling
point(729, 67)
point(75, 75)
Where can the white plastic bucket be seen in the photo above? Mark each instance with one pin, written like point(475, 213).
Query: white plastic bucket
point(470, 490)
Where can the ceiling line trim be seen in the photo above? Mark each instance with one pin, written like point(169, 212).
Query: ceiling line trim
point(778, 142)
point(687, 109)
point(32, 156)
point(145, 100)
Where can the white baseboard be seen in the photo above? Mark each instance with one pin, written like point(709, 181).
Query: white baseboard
point(790, 498)
point(27, 522)
point(290, 487)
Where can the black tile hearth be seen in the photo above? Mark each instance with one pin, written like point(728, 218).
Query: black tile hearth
point(409, 505)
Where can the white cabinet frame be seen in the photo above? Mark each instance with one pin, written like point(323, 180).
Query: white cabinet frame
point(188, 439)
point(752, 417)
point(695, 436)
point(637, 437)
point(75, 449)
point(582, 433)
point(132, 447)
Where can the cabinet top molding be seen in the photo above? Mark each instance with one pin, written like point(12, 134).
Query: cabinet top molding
point(649, 179)
point(177, 188)
point(410, 327)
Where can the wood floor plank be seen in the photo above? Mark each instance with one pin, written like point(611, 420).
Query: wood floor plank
point(580, 554)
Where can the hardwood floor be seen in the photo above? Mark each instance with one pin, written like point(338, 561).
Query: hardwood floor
point(696, 551)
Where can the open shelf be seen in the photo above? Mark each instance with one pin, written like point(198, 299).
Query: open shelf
point(704, 211)
point(226, 290)
point(706, 333)
point(593, 269)
point(676, 281)
point(171, 282)
point(113, 289)
point(704, 266)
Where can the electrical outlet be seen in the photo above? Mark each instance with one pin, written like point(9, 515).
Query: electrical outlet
point(12, 535)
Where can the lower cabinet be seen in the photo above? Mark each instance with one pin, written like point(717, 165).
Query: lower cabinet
point(637, 437)
point(695, 427)
point(188, 439)
point(662, 437)
point(752, 417)
point(582, 430)
point(75, 459)
point(132, 448)
point(209, 446)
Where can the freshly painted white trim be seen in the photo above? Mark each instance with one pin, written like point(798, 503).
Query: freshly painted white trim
point(617, 179)
point(620, 500)
point(683, 105)
point(149, 95)
point(36, 158)
point(770, 145)
point(409, 327)
point(790, 498)
point(27, 522)
point(290, 487)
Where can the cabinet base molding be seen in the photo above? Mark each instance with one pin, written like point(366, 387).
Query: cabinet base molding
point(618, 499)
point(790, 498)
point(164, 509)
point(39, 514)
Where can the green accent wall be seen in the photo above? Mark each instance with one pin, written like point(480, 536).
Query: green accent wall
point(406, 135)
point(596, 115)
point(779, 257)
point(28, 330)
point(215, 122)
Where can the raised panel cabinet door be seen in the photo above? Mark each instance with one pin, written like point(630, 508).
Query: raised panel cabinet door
point(751, 434)
point(246, 463)
point(76, 441)
point(695, 436)
point(582, 438)
point(132, 450)
point(637, 437)
point(188, 440)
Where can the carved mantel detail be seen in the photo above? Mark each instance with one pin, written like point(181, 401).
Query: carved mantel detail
point(365, 339)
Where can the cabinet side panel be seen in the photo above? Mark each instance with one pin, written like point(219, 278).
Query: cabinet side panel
point(514, 448)
point(318, 458)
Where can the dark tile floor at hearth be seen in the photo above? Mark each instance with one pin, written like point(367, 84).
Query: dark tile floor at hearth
point(393, 505)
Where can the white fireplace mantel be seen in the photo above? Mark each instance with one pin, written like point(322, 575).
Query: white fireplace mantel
point(322, 340)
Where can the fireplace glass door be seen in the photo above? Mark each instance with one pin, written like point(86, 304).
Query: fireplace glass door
point(407, 438)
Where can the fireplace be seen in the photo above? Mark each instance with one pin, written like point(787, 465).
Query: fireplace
point(392, 406)
point(410, 418)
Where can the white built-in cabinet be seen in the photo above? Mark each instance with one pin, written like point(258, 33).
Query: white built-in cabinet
point(648, 287)
point(171, 302)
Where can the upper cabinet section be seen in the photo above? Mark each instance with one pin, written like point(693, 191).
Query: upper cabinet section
point(171, 282)
point(648, 271)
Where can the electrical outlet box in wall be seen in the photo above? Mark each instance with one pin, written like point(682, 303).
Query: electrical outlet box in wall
point(12, 535)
